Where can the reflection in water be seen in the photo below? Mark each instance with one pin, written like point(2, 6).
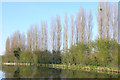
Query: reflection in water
point(2, 75)
point(16, 73)
point(45, 72)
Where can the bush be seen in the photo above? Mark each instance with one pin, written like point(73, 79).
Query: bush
point(102, 52)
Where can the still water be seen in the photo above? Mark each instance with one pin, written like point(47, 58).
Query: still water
point(45, 72)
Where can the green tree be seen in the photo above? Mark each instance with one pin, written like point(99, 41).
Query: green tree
point(17, 53)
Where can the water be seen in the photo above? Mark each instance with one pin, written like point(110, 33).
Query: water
point(2, 75)
point(45, 72)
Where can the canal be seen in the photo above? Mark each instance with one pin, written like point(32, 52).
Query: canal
point(46, 72)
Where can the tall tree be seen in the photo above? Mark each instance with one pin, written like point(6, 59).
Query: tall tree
point(72, 29)
point(45, 34)
point(35, 38)
point(15, 41)
point(23, 42)
point(115, 22)
point(107, 13)
point(53, 33)
point(65, 32)
point(8, 45)
point(90, 25)
point(30, 39)
point(42, 36)
point(100, 19)
point(78, 24)
point(58, 25)
point(81, 25)
point(39, 39)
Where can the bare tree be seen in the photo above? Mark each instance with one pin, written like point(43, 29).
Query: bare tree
point(30, 39)
point(35, 38)
point(42, 35)
point(52, 32)
point(39, 39)
point(65, 32)
point(58, 25)
point(45, 34)
point(72, 29)
point(115, 22)
point(23, 42)
point(13, 43)
point(81, 25)
point(100, 20)
point(107, 19)
point(15, 40)
point(8, 45)
point(90, 26)
point(78, 24)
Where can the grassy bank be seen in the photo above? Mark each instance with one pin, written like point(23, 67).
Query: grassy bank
point(72, 67)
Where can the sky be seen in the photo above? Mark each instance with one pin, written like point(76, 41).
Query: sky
point(21, 15)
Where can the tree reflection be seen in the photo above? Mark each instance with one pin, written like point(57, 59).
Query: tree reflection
point(45, 72)
point(17, 73)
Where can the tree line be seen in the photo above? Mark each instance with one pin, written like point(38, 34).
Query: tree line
point(70, 42)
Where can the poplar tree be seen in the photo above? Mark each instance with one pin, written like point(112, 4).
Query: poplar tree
point(89, 26)
point(58, 25)
point(8, 45)
point(72, 29)
point(65, 32)
point(100, 19)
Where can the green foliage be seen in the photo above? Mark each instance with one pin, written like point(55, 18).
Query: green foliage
point(56, 57)
point(102, 52)
point(77, 54)
point(106, 51)
point(46, 57)
point(26, 56)
point(9, 58)
point(42, 57)
point(17, 53)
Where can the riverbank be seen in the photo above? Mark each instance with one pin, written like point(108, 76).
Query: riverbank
point(72, 67)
